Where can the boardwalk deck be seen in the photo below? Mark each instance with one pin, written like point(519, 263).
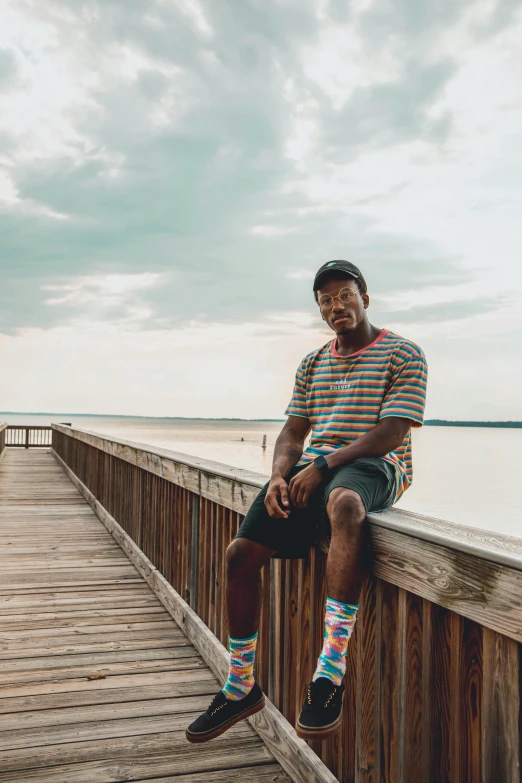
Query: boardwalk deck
point(72, 606)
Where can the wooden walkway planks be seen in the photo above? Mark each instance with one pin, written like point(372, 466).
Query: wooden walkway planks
point(72, 605)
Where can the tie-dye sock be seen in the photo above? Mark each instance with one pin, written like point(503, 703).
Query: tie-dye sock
point(338, 627)
point(241, 672)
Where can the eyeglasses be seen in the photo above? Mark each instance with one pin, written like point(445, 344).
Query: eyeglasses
point(345, 295)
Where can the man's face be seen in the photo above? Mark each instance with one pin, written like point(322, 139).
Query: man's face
point(343, 316)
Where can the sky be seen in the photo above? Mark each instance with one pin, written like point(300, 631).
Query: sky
point(173, 173)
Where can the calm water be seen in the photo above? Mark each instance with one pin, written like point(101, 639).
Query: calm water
point(468, 475)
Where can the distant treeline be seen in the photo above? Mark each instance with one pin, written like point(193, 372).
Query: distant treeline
point(445, 423)
point(428, 422)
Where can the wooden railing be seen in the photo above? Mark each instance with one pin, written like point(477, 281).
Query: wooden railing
point(28, 437)
point(3, 428)
point(434, 666)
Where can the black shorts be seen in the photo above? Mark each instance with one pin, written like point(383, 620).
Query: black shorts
point(373, 478)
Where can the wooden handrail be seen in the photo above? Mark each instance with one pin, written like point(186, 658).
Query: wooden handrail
point(28, 436)
point(235, 488)
point(45, 427)
point(434, 663)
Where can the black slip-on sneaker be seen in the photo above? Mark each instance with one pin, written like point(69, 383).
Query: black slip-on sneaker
point(321, 715)
point(224, 713)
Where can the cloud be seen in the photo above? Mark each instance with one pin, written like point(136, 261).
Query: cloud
point(223, 155)
point(269, 230)
point(118, 297)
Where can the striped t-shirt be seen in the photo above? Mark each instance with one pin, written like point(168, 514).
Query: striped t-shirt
point(345, 396)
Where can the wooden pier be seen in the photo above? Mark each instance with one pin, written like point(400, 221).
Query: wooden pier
point(434, 668)
point(72, 606)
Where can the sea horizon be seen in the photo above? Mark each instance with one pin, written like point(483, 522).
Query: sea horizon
point(452, 478)
point(427, 423)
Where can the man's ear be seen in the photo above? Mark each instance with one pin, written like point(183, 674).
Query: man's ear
point(366, 300)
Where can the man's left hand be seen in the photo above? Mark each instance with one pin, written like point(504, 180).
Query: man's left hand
point(304, 485)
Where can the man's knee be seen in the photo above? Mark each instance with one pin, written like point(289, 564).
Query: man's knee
point(345, 507)
point(245, 555)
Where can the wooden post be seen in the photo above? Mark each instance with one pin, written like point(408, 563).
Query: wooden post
point(194, 554)
point(27, 437)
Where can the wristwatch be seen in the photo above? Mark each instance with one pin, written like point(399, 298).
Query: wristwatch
point(321, 464)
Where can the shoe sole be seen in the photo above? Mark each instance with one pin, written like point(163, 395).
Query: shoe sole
point(225, 726)
point(318, 734)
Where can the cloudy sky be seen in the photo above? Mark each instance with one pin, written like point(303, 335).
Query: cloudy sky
point(173, 172)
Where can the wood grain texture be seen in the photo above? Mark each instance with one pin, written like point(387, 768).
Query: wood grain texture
point(66, 614)
point(368, 680)
point(293, 753)
point(410, 695)
point(501, 708)
point(389, 680)
point(417, 694)
point(127, 759)
point(471, 714)
point(440, 663)
point(475, 573)
point(477, 589)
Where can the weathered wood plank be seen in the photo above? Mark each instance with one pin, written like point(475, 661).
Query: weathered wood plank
point(191, 701)
point(130, 759)
point(94, 659)
point(501, 705)
point(66, 700)
point(471, 717)
point(64, 576)
point(70, 619)
point(80, 642)
point(26, 602)
point(264, 774)
point(410, 696)
point(188, 659)
point(94, 773)
point(368, 664)
point(30, 738)
point(479, 590)
point(171, 742)
point(387, 675)
point(112, 682)
point(94, 646)
point(87, 629)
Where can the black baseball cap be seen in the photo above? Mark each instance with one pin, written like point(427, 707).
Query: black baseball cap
point(342, 267)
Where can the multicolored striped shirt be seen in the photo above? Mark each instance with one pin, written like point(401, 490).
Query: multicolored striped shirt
point(346, 396)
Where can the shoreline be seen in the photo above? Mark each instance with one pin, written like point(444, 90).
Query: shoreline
point(427, 423)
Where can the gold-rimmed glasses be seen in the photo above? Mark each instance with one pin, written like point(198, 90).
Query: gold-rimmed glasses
point(345, 296)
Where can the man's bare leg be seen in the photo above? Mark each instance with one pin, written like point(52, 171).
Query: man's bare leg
point(346, 567)
point(245, 559)
point(321, 714)
point(241, 696)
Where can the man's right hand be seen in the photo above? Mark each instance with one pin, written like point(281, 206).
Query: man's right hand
point(277, 500)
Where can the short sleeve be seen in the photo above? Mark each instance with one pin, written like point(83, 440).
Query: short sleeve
point(297, 405)
point(406, 397)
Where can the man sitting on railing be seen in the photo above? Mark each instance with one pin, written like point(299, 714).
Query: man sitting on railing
point(359, 394)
